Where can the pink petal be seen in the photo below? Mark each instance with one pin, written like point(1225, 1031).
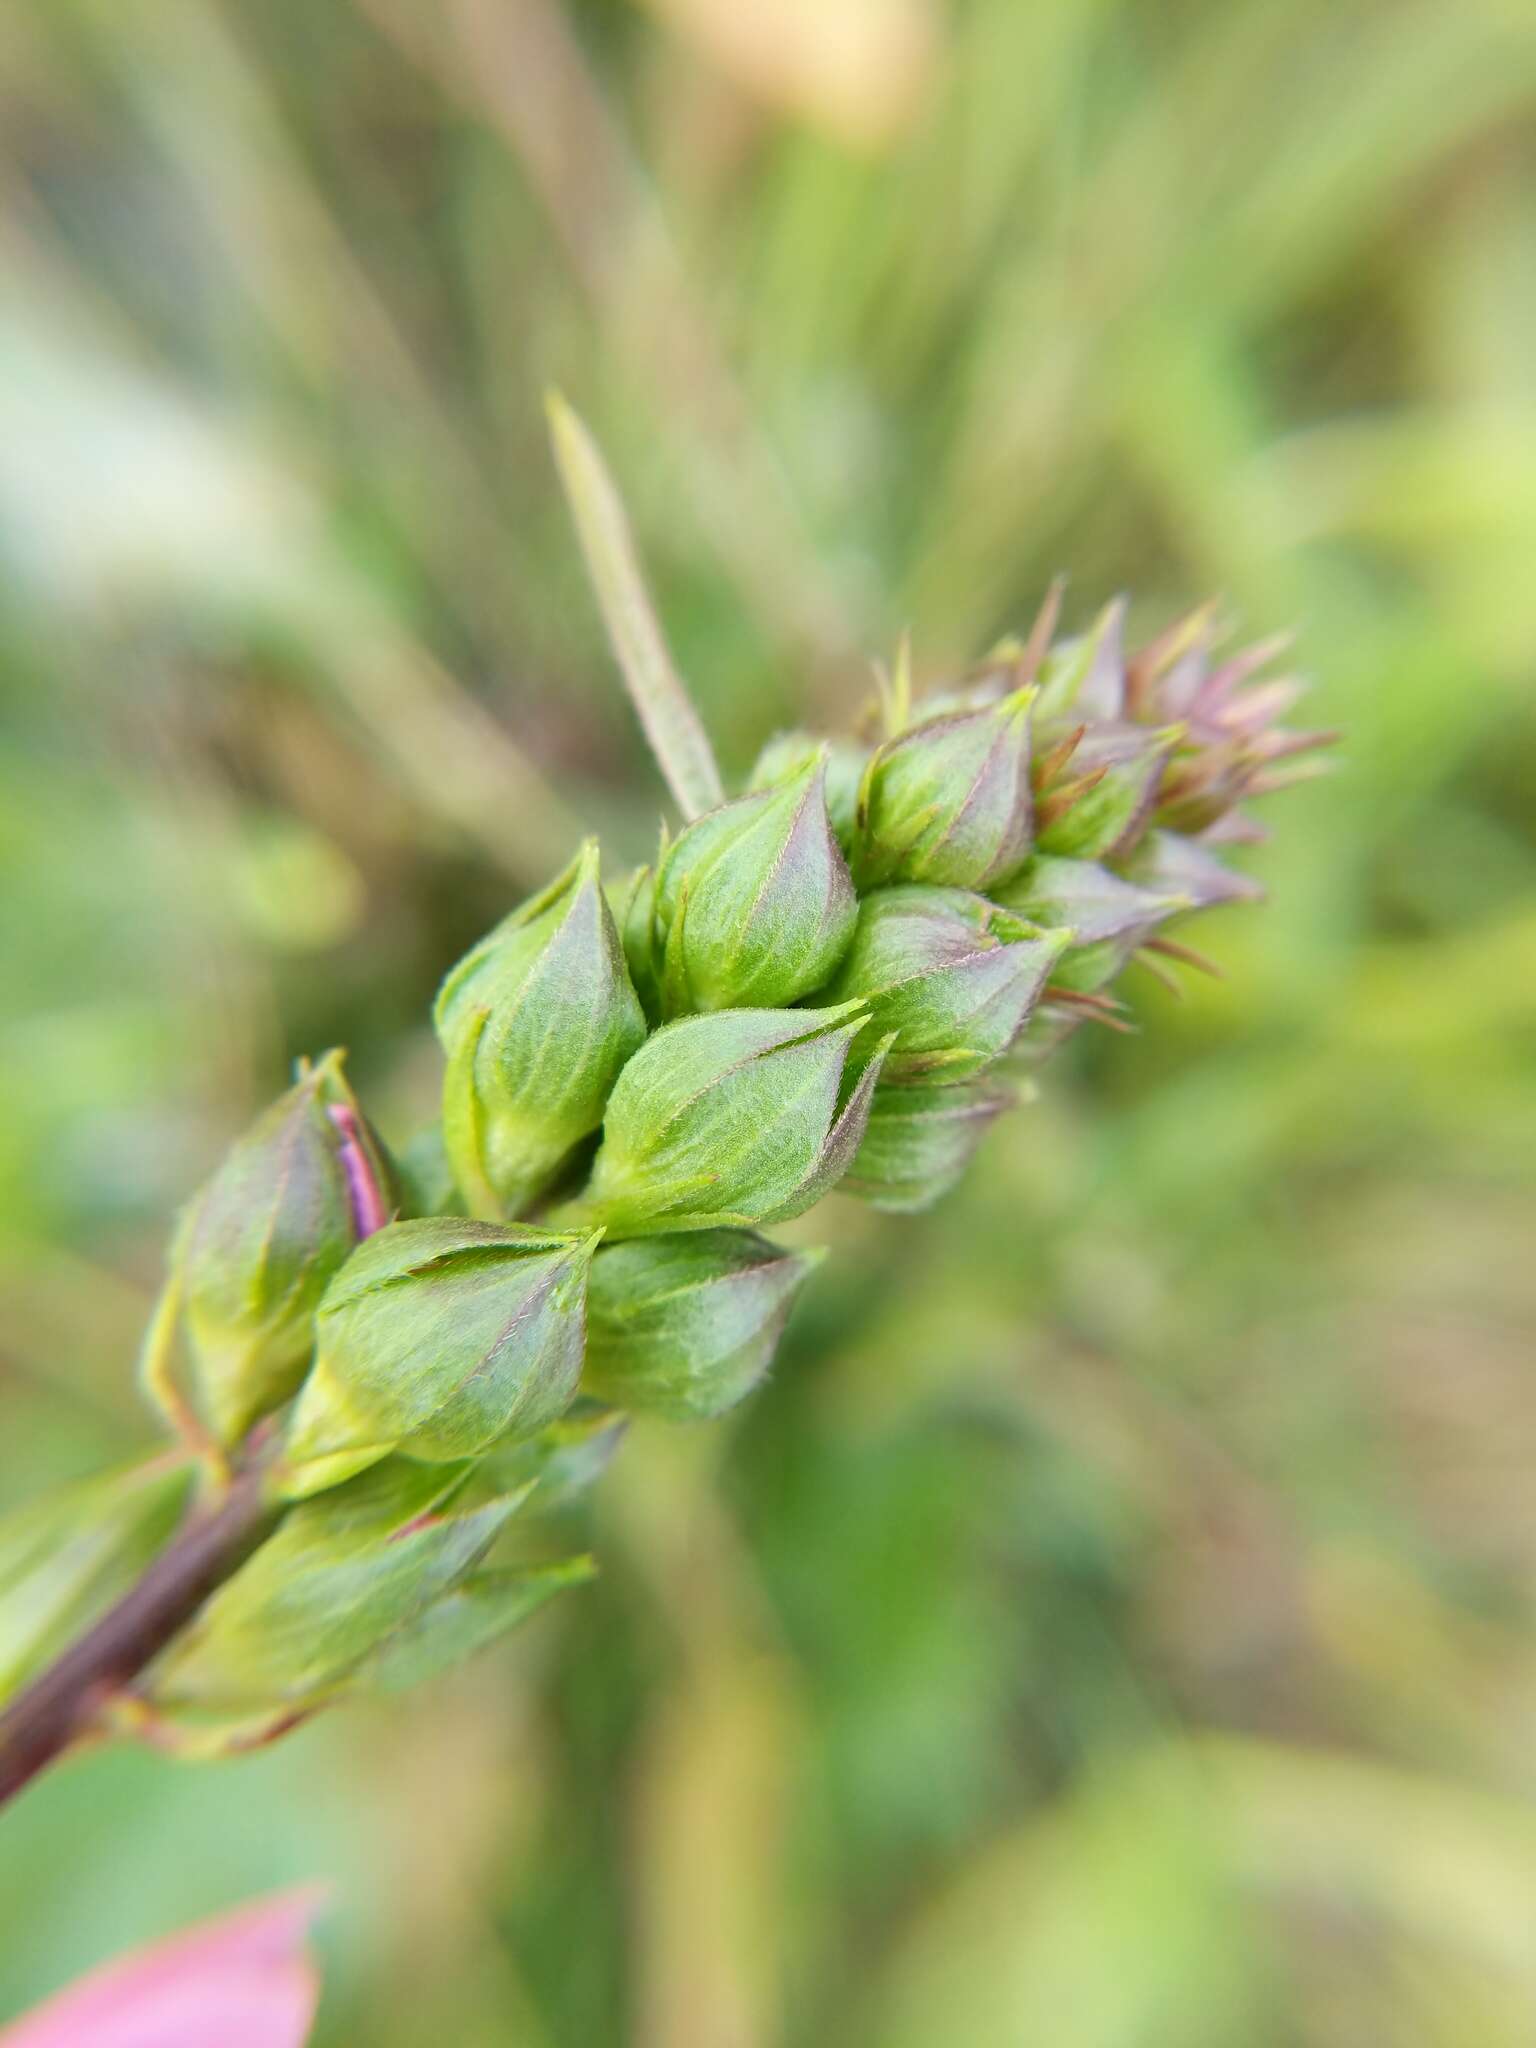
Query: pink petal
point(242, 1981)
point(369, 1212)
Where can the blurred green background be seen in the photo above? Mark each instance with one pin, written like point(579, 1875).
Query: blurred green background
point(1113, 1626)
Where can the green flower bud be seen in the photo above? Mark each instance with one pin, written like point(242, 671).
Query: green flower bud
point(1107, 916)
point(427, 1184)
point(632, 902)
point(792, 752)
point(65, 1558)
point(436, 1338)
point(536, 1022)
point(949, 800)
point(947, 975)
point(920, 1141)
point(1103, 808)
point(755, 900)
point(686, 1326)
point(337, 1580)
point(740, 1117)
point(255, 1251)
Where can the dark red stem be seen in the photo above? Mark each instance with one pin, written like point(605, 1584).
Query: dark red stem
point(63, 1703)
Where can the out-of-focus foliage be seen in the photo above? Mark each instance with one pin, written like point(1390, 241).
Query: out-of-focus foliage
point(1114, 1621)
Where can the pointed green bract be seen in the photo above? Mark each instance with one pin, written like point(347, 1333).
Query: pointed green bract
point(724, 1119)
point(950, 976)
point(1185, 868)
point(671, 725)
point(338, 1578)
point(470, 1616)
point(564, 1458)
point(255, 1251)
point(755, 901)
point(438, 1338)
point(536, 1021)
point(949, 801)
point(686, 1326)
point(1107, 916)
point(861, 1077)
point(1084, 677)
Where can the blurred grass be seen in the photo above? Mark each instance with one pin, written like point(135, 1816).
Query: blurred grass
point(1115, 1624)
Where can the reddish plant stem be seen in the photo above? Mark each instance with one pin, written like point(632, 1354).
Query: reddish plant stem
point(63, 1702)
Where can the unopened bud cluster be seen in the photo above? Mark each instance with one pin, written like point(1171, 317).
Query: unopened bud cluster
point(839, 977)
